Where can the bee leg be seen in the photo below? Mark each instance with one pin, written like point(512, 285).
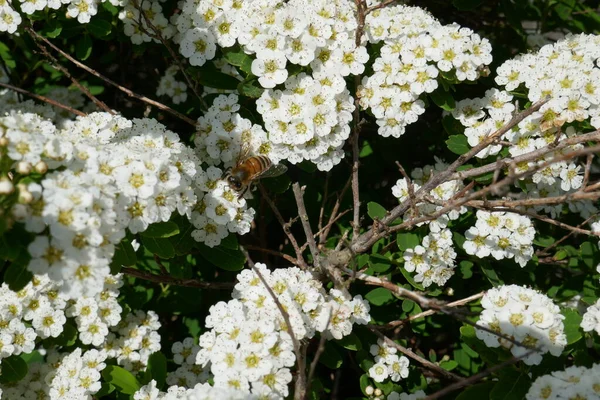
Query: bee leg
point(243, 192)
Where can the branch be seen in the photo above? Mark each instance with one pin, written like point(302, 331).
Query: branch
point(426, 363)
point(129, 92)
point(461, 302)
point(100, 104)
point(287, 257)
point(286, 227)
point(44, 99)
point(176, 281)
point(333, 217)
point(310, 239)
point(367, 239)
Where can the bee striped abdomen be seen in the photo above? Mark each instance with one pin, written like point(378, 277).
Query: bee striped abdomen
point(258, 164)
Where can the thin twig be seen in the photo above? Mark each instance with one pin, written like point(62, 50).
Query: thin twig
point(176, 281)
point(57, 65)
point(287, 257)
point(323, 237)
point(129, 92)
point(477, 377)
point(426, 363)
point(286, 227)
point(461, 302)
point(310, 239)
point(44, 99)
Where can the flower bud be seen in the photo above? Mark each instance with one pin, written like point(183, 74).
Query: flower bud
point(41, 167)
point(378, 392)
point(3, 142)
point(25, 196)
point(24, 168)
point(6, 186)
point(369, 390)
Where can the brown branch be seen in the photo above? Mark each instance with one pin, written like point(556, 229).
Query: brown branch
point(286, 227)
point(533, 155)
point(367, 239)
point(310, 239)
point(426, 363)
point(361, 7)
point(287, 257)
point(332, 217)
point(44, 99)
point(176, 281)
point(57, 65)
point(380, 5)
point(461, 302)
point(326, 227)
point(476, 377)
point(545, 250)
point(128, 92)
point(158, 35)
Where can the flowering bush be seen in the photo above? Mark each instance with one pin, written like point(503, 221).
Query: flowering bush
point(267, 199)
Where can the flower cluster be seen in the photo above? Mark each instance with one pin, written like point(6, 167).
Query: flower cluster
point(202, 391)
point(440, 195)
point(117, 175)
point(248, 346)
point(169, 86)
point(434, 259)
point(133, 340)
point(387, 363)
point(309, 120)
point(501, 235)
point(40, 310)
point(316, 33)
point(526, 316)
point(567, 72)
point(83, 10)
point(144, 20)
point(73, 375)
point(188, 374)
point(572, 383)
point(591, 318)
point(416, 50)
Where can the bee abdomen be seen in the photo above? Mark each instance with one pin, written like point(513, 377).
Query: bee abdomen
point(259, 164)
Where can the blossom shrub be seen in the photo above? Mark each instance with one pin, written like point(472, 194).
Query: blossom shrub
point(433, 231)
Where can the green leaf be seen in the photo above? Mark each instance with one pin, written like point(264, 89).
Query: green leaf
point(183, 242)
point(209, 76)
point(157, 366)
point(236, 57)
point(407, 241)
point(350, 342)
point(379, 296)
point(124, 254)
point(475, 347)
point(51, 29)
point(490, 274)
point(572, 321)
point(588, 252)
point(379, 263)
point(479, 391)
point(466, 269)
point(99, 27)
point(375, 210)
point(161, 230)
point(83, 48)
point(250, 88)
point(449, 365)
point(14, 368)
point(443, 99)
point(231, 242)
point(364, 382)
point(222, 257)
point(466, 5)
point(122, 379)
point(458, 144)
point(160, 246)
point(6, 55)
point(410, 279)
point(330, 357)
point(511, 386)
point(17, 276)
point(408, 305)
point(452, 126)
point(68, 337)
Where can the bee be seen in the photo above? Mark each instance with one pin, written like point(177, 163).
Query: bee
point(251, 168)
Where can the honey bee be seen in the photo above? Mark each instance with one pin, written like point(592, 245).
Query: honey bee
point(251, 168)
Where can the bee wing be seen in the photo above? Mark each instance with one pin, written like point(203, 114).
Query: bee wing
point(273, 171)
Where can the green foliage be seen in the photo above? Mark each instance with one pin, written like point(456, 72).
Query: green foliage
point(121, 379)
